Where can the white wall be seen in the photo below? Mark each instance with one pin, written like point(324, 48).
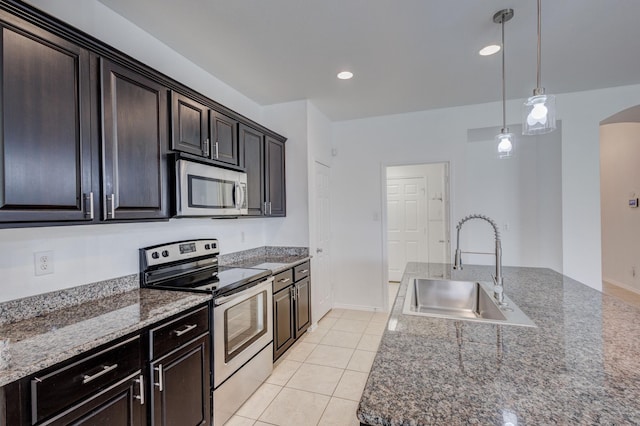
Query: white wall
point(620, 181)
point(501, 189)
point(85, 254)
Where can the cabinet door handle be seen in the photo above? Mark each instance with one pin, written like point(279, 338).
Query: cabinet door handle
point(265, 208)
point(304, 271)
point(217, 156)
point(284, 280)
point(88, 199)
point(269, 208)
point(205, 147)
point(298, 292)
point(111, 211)
point(187, 329)
point(105, 369)
point(160, 385)
point(140, 382)
point(293, 294)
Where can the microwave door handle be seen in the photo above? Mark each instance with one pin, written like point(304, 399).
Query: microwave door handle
point(236, 195)
point(243, 195)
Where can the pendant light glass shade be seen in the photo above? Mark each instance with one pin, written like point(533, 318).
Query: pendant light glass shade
point(539, 115)
point(504, 142)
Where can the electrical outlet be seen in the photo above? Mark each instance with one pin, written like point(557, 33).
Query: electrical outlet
point(43, 262)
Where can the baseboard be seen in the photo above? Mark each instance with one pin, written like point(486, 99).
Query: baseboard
point(621, 285)
point(358, 307)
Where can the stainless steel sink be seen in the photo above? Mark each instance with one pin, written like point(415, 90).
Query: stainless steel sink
point(461, 300)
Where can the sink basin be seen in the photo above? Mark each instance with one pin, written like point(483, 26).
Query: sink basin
point(461, 300)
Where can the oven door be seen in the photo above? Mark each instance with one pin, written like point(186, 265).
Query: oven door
point(205, 190)
point(242, 326)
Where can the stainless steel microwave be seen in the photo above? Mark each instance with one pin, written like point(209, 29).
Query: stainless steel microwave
point(205, 190)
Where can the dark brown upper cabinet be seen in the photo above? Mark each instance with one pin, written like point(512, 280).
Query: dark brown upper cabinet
point(190, 121)
point(135, 130)
point(45, 142)
point(275, 192)
point(264, 162)
point(253, 153)
point(225, 146)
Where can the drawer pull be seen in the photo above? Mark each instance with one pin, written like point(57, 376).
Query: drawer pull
point(187, 329)
point(107, 368)
point(160, 385)
point(304, 271)
point(140, 382)
point(284, 280)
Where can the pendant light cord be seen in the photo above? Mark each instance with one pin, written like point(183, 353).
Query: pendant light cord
point(504, 96)
point(539, 42)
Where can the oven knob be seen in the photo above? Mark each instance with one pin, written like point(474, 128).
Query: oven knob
point(207, 246)
point(155, 255)
point(165, 253)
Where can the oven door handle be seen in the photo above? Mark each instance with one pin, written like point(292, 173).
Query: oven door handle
point(222, 300)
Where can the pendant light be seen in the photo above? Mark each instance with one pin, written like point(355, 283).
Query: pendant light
point(504, 139)
point(539, 111)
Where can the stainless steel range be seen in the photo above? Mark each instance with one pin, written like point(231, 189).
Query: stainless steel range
point(242, 320)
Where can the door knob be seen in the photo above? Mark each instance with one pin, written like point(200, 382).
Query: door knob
point(318, 250)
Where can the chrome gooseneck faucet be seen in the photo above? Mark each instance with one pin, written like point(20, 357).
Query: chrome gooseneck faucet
point(497, 279)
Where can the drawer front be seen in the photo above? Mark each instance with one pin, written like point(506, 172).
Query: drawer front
point(62, 388)
point(301, 271)
point(282, 280)
point(179, 331)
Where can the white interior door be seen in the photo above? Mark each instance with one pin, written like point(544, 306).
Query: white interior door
point(321, 286)
point(406, 223)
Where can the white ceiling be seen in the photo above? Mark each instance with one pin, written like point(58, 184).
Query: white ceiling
point(406, 55)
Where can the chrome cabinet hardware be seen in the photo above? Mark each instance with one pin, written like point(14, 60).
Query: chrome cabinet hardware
point(265, 208)
point(105, 369)
point(293, 293)
point(206, 147)
point(269, 208)
point(185, 330)
point(217, 154)
point(160, 383)
point(111, 211)
point(284, 280)
point(88, 207)
point(304, 271)
point(140, 382)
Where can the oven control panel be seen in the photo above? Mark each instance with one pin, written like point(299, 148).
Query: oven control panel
point(180, 250)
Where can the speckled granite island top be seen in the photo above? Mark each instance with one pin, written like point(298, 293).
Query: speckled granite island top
point(40, 342)
point(581, 365)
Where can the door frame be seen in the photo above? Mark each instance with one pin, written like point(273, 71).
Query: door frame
point(384, 218)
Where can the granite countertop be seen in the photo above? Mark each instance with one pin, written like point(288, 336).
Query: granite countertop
point(579, 366)
point(276, 259)
point(40, 342)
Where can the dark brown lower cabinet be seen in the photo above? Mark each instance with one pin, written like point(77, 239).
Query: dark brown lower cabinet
point(284, 334)
point(291, 307)
point(180, 386)
point(119, 405)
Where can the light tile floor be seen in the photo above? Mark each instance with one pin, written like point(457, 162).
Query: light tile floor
point(319, 381)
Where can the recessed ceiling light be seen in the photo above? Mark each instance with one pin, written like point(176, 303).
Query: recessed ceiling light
point(489, 50)
point(345, 75)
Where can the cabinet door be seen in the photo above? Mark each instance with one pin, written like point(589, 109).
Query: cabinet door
point(224, 139)
point(275, 177)
point(303, 306)
point(120, 405)
point(180, 383)
point(283, 332)
point(253, 146)
point(135, 177)
point(190, 121)
point(45, 143)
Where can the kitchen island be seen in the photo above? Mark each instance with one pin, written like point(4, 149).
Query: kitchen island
point(580, 365)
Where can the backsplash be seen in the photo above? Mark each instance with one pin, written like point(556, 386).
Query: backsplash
point(33, 306)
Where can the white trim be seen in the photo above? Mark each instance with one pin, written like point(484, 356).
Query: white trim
point(622, 285)
point(358, 307)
